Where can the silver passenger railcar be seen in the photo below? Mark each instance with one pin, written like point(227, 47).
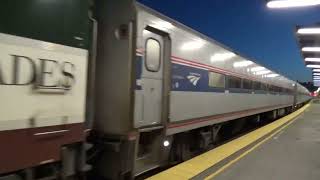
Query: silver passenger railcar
point(164, 90)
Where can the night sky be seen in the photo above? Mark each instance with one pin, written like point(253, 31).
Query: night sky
point(248, 27)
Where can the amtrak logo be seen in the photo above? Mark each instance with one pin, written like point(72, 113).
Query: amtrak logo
point(194, 78)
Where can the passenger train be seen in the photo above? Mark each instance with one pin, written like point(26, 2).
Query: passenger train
point(118, 89)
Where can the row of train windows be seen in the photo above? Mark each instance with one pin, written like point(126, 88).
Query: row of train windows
point(217, 80)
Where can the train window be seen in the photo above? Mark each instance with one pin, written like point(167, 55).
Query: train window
point(247, 84)
point(234, 82)
point(257, 86)
point(61, 22)
point(216, 80)
point(153, 55)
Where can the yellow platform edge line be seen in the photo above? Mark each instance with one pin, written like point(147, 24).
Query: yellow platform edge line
point(198, 164)
point(211, 176)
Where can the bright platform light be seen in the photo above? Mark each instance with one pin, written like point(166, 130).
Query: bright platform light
point(311, 49)
point(192, 45)
point(242, 64)
point(316, 74)
point(316, 70)
point(308, 31)
point(312, 59)
point(263, 72)
point(272, 75)
point(313, 66)
point(222, 56)
point(292, 3)
point(162, 25)
point(256, 69)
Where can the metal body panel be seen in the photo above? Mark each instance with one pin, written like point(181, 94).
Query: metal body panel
point(151, 86)
point(32, 81)
point(190, 105)
point(183, 126)
point(114, 70)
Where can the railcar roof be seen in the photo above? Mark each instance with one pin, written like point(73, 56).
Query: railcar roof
point(209, 39)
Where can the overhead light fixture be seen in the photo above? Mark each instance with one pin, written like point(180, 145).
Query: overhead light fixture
point(162, 25)
point(316, 70)
point(311, 49)
point(308, 31)
point(242, 64)
point(258, 68)
point(222, 56)
point(312, 59)
point(272, 75)
point(192, 45)
point(263, 72)
point(316, 74)
point(313, 66)
point(292, 3)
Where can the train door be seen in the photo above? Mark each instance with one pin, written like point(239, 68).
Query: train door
point(152, 79)
point(154, 102)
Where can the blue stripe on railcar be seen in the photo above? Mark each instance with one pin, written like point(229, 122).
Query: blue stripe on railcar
point(186, 78)
point(183, 78)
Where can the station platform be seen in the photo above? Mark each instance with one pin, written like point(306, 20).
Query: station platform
point(288, 148)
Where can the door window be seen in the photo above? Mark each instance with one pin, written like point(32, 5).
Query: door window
point(152, 57)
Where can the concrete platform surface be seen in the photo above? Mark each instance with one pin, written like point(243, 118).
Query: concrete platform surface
point(292, 154)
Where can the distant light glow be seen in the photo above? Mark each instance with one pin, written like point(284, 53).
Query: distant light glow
point(308, 31)
point(263, 72)
point(222, 56)
point(166, 143)
point(292, 3)
point(316, 74)
point(272, 75)
point(311, 49)
point(162, 25)
point(312, 59)
point(256, 69)
point(316, 70)
point(242, 64)
point(192, 45)
point(313, 66)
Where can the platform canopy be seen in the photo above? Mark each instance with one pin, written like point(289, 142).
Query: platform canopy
point(308, 38)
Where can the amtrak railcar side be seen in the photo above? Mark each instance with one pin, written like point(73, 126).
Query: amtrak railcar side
point(164, 90)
